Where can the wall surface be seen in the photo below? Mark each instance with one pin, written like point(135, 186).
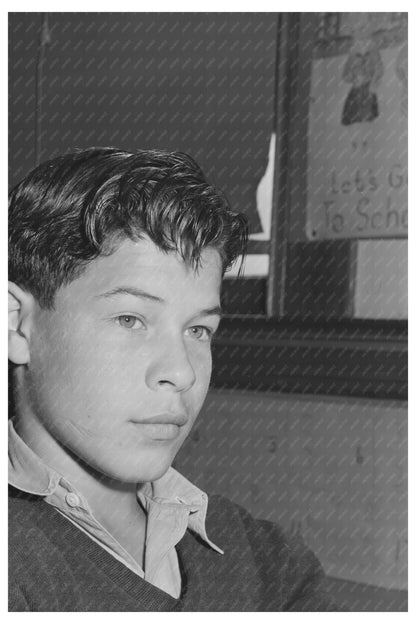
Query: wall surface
point(333, 470)
point(202, 83)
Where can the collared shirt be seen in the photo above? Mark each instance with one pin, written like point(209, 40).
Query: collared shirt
point(172, 505)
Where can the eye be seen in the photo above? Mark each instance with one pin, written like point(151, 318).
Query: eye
point(199, 332)
point(129, 321)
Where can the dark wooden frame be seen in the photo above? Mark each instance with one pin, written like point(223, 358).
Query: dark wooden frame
point(272, 346)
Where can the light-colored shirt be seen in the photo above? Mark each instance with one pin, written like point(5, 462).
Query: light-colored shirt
point(172, 505)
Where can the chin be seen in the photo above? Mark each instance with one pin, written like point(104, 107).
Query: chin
point(145, 470)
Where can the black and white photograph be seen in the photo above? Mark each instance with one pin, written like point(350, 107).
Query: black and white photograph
point(207, 311)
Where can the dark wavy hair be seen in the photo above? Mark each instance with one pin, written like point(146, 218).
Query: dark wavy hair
point(72, 209)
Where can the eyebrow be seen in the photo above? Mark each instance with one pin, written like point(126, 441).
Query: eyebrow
point(130, 290)
point(142, 294)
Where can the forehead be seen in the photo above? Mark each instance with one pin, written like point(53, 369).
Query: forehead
point(141, 264)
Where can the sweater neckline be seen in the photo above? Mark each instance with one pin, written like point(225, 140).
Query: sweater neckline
point(138, 589)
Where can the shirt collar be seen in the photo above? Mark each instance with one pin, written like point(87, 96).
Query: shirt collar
point(173, 489)
point(28, 473)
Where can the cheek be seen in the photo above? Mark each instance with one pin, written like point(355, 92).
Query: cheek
point(202, 365)
point(70, 376)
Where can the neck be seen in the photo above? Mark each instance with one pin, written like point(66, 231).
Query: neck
point(103, 493)
point(113, 502)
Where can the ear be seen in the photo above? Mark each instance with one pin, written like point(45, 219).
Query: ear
point(21, 306)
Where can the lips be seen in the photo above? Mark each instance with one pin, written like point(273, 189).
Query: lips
point(162, 427)
point(167, 418)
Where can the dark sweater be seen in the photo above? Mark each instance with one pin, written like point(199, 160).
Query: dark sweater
point(53, 566)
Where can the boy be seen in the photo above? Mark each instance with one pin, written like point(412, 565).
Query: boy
point(116, 262)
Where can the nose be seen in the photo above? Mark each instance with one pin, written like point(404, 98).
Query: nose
point(171, 367)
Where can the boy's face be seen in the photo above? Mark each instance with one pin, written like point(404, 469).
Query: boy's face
point(120, 367)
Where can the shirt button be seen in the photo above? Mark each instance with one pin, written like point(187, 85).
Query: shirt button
point(72, 499)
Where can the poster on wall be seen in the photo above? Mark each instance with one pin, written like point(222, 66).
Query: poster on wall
point(357, 130)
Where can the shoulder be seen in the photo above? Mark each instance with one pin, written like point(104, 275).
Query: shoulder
point(291, 574)
point(29, 521)
point(24, 511)
point(34, 560)
point(223, 513)
point(29, 532)
point(33, 525)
